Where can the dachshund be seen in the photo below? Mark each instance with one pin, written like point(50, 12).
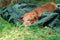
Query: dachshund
point(34, 15)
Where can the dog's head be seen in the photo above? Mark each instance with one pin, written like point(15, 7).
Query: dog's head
point(29, 18)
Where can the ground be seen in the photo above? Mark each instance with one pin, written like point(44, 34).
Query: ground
point(9, 31)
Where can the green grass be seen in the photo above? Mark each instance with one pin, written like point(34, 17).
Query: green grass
point(9, 31)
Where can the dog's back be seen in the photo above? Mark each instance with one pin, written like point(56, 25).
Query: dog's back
point(49, 7)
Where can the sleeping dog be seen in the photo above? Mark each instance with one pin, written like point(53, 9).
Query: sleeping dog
point(34, 15)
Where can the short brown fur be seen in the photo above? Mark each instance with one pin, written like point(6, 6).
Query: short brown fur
point(33, 16)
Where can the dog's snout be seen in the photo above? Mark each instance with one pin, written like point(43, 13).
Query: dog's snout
point(26, 23)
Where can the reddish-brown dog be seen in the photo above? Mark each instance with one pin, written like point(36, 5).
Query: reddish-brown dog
point(31, 17)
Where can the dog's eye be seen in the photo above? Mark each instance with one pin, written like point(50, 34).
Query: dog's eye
point(35, 18)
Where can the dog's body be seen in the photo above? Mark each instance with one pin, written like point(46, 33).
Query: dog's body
point(33, 16)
